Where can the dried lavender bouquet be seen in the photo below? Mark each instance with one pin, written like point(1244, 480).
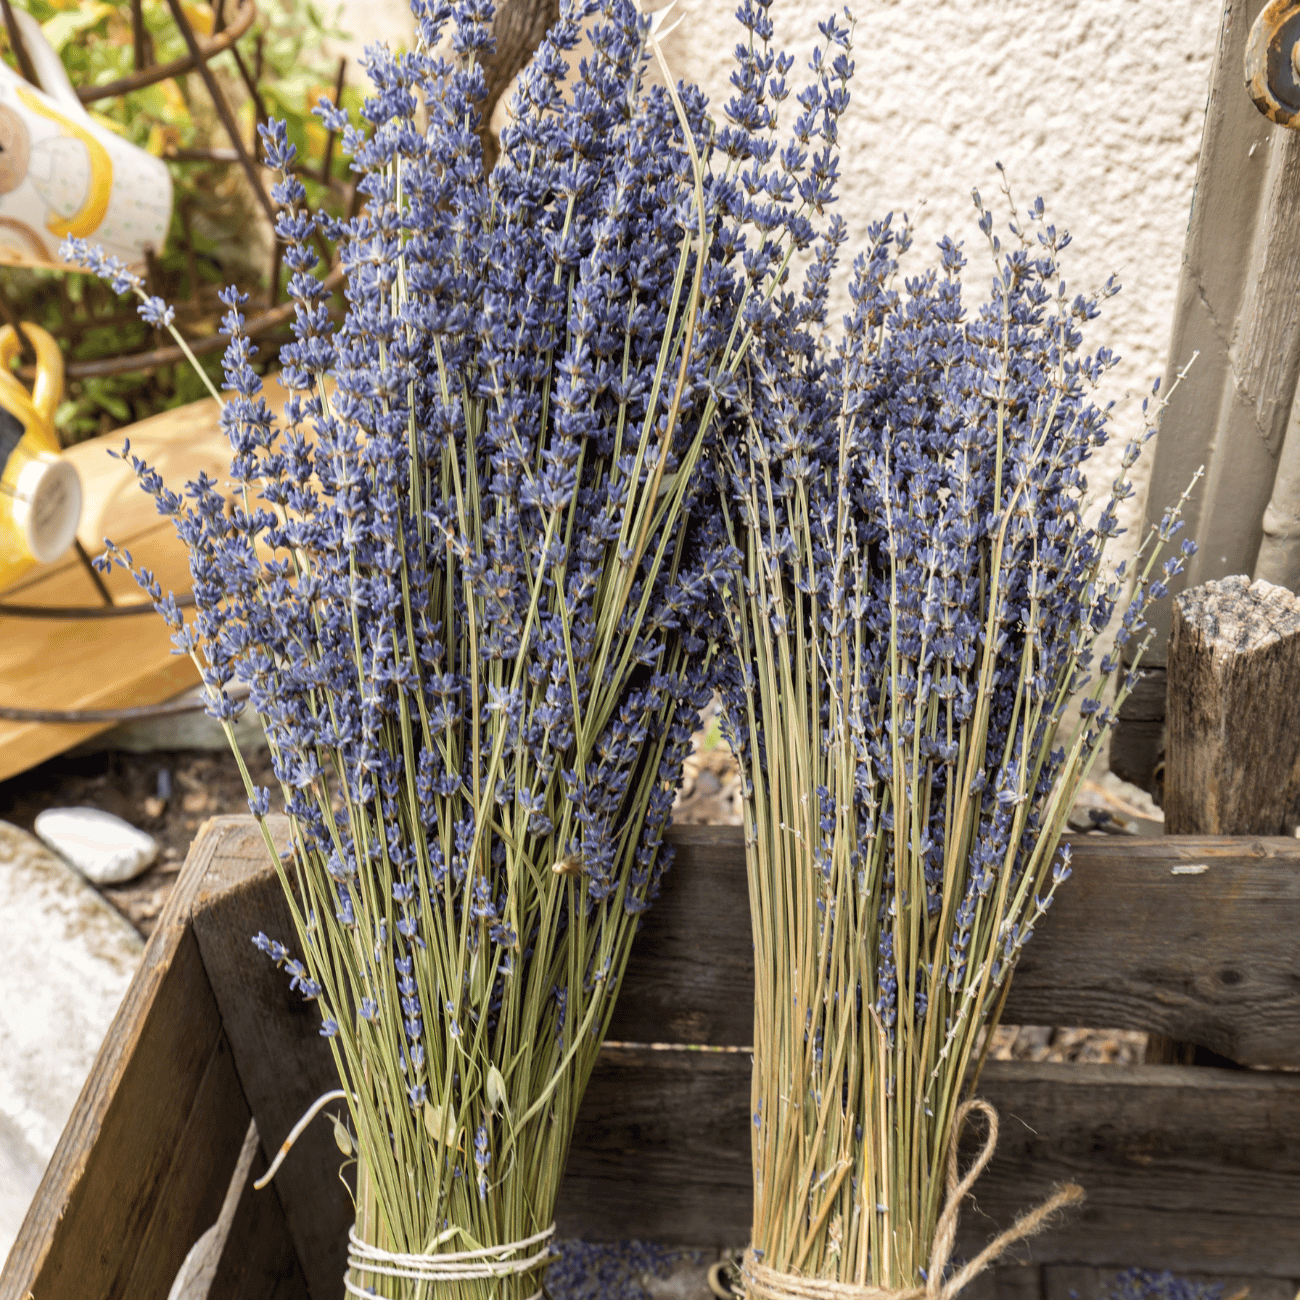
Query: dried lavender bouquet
point(463, 580)
point(913, 598)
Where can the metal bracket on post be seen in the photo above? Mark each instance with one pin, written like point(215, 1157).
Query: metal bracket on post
point(1273, 62)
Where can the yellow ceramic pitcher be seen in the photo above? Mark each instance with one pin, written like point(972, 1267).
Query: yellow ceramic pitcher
point(40, 493)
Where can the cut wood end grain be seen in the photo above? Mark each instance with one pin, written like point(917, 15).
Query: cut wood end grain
point(1238, 616)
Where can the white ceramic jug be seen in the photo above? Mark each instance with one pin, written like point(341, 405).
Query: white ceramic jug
point(62, 173)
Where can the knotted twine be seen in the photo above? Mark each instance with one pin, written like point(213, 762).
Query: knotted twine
point(763, 1283)
point(459, 1266)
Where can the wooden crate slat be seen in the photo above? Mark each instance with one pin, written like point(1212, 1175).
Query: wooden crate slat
point(1208, 957)
point(92, 1212)
point(284, 1064)
point(1185, 1167)
point(258, 1261)
point(189, 1199)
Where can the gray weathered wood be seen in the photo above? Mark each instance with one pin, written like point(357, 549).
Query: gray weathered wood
point(283, 1062)
point(1185, 1168)
point(1137, 744)
point(517, 28)
point(119, 1204)
point(1232, 764)
point(1238, 310)
point(1129, 944)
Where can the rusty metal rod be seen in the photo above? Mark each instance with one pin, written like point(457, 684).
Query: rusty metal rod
point(209, 48)
point(223, 108)
point(24, 342)
point(16, 44)
point(259, 105)
point(138, 53)
point(123, 365)
point(89, 565)
point(328, 161)
point(86, 613)
point(136, 713)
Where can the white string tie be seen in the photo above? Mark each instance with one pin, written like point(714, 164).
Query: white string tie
point(455, 1266)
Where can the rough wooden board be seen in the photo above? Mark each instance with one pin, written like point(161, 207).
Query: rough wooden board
point(258, 1261)
point(194, 1186)
point(1198, 1168)
point(1233, 751)
point(284, 1063)
point(1138, 742)
point(92, 1211)
point(75, 664)
point(1080, 1282)
point(1208, 957)
point(1009, 1282)
point(689, 981)
point(1184, 1167)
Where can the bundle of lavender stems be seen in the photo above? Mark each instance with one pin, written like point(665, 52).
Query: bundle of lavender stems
point(914, 596)
point(464, 577)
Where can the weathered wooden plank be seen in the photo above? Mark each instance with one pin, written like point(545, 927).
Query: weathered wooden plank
point(1009, 1282)
point(193, 1189)
point(258, 1260)
point(1136, 940)
point(1209, 957)
point(1194, 1168)
point(93, 1210)
point(283, 1062)
point(1184, 1167)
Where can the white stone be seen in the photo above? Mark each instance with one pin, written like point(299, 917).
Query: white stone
point(66, 959)
point(105, 849)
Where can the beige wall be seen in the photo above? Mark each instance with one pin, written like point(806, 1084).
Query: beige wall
point(1097, 105)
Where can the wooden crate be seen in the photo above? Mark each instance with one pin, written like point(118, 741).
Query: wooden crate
point(1187, 1168)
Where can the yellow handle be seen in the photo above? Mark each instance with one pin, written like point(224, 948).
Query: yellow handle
point(47, 391)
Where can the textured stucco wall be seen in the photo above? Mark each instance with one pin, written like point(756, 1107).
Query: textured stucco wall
point(1096, 105)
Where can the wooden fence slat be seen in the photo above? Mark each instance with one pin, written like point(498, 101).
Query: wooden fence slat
point(1138, 939)
point(92, 1212)
point(258, 1261)
point(1232, 758)
point(1081, 1282)
point(1185, 1167)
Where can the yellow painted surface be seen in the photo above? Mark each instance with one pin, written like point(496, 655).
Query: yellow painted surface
point(110, 663)
point(87, 219)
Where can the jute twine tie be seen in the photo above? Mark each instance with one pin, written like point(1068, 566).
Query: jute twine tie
point(763, 1283)
point(460, 1266)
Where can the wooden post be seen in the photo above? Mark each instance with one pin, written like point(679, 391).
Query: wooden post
point(1233, 760)
point(1232, 763)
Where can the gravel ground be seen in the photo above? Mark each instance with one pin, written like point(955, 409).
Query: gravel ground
point(169, 793)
